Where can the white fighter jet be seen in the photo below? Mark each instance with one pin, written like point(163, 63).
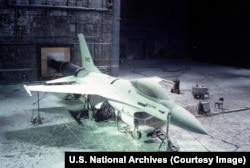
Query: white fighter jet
point(134, 101)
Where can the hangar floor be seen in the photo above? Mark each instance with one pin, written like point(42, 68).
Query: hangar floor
point(23, 144)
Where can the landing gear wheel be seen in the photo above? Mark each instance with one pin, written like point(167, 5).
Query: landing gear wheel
point(136, 134)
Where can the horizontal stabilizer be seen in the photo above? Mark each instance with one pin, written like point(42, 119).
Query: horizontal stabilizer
point(68, 79)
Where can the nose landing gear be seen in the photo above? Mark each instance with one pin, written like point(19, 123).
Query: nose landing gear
point(136, 134)
point(163, 136)
point(125, 128)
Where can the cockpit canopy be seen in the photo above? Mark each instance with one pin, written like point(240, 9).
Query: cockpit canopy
point(150, 88)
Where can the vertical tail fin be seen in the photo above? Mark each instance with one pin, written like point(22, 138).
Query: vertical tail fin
point(87, 61)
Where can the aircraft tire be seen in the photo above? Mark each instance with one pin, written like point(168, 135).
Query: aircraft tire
point(136, 134)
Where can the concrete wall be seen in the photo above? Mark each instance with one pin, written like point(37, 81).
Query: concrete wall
point(28, 25)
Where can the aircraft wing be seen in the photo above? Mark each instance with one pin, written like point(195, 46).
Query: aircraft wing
point(90, 84)
point(89, 87)
point(74, 89)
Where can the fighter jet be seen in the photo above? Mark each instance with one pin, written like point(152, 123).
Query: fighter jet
point(134, 101)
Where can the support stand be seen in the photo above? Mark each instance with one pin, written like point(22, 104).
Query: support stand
point(38, 119)
point(88, 108)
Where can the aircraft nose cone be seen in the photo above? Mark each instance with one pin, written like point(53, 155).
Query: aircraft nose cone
point(184, 119)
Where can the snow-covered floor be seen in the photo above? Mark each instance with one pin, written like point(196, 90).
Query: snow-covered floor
point(23, 144)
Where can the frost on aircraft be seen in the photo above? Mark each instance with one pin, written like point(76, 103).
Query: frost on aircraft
point(133, 102)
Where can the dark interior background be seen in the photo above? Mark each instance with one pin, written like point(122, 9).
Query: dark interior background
point(204, 30)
